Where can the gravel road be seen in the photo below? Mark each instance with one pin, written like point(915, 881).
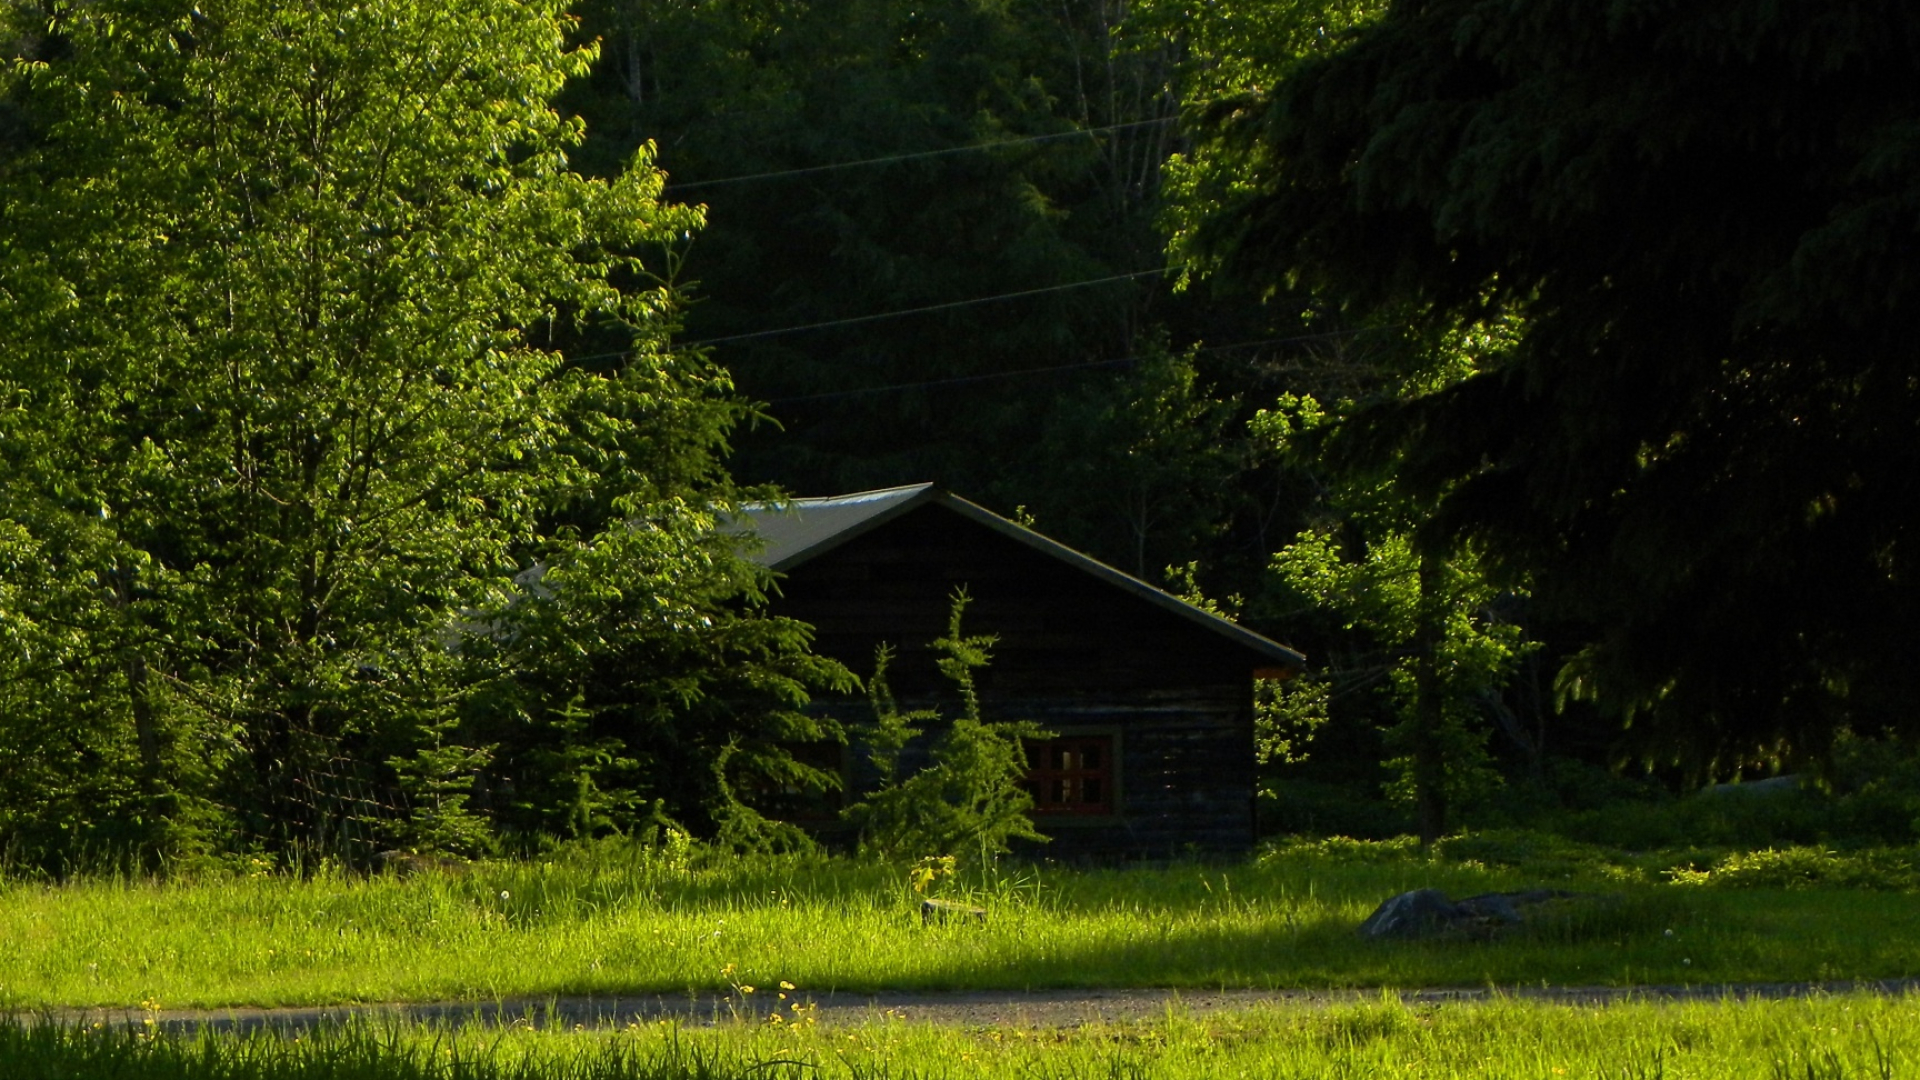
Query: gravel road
point(1042, 1009)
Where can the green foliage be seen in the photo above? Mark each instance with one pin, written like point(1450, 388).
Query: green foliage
point(1698, 446)
point(1246, 48)
point(1432, 624)
point(1285, 717)
point(1540, 856)
point(1543, 856)
point(969, 800)
point(1337, 850)
point(834, 142)
point(290, 436)
point(1139, 461)
point(437, 780)
point(1807, 868)
point(1232, 55)
point(639, 676)
point(1383, 592)
point(1869, 799)
point(1286, 713)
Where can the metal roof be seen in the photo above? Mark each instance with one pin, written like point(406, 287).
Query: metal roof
point(795, 532)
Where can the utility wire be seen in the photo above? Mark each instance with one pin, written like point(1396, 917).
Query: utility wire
point(948, 306)
point(881, 315)
point(960, 380)
point(1124, 361)
point(919, 155)
point(878, 316)
point(1290, 340)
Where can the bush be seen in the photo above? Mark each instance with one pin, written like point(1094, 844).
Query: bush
point(972, 799)
point(1342, 849)
point(1807, 868)
point(1537, 855)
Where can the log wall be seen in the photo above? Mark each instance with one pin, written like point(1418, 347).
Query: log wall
point(1075, 654)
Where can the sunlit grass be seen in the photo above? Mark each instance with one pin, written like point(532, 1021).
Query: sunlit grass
point(619, 921)
point(1827, 1038)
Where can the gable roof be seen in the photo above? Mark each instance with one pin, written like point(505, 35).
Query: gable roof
point(798, 531)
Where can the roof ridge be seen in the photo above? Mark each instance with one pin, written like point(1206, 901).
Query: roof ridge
point(799, 537)
point(851, 496)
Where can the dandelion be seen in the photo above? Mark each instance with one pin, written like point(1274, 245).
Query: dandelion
point(746, 989)
point(785, 985)
point(504, 894)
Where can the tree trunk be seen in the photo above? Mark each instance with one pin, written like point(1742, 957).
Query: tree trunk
point(146, 727)
point(1429, 754)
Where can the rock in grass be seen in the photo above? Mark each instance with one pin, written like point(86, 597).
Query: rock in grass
point(1427, 913)
point(1417, 914)
point(933, 911)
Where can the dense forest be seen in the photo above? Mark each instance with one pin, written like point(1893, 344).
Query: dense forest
point(377, 378)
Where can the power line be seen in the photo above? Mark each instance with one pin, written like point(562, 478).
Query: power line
point(879, 316)
point(919, 155)
point(948, 306)
point(1125, 361)
point(682, 346)
point(957, 381)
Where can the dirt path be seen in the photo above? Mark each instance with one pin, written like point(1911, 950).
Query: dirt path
point(1041, 1009)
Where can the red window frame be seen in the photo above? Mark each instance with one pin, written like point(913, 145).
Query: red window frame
point(1071, 775)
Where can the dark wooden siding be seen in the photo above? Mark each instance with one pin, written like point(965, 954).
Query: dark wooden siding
point(1075, 654)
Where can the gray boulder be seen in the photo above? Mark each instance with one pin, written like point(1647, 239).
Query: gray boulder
point(1427, 913)
point(1417, 914)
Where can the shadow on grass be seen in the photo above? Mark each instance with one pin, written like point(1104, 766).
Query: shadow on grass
point(357, 1050)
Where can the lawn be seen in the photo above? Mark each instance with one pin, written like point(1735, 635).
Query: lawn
point(616, 920)
point(1814, 1039)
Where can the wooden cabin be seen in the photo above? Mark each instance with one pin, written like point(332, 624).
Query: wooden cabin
point(1149, 698)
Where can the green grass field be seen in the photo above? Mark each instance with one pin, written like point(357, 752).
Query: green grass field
point(615, 920)
point(1816, 1039)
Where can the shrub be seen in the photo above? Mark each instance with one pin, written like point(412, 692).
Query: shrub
point(1342, 849)
point(1807, 868)
point(971, 798)
point(1539, 855)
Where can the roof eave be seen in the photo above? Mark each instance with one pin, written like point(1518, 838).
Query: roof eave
point(1281, 655)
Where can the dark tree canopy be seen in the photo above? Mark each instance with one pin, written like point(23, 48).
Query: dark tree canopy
point(1705, 213)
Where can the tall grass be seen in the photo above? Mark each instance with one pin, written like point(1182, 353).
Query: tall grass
point(1818, 1039)
point(622, 921)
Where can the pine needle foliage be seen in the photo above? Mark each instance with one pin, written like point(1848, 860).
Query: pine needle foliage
point(970, 800)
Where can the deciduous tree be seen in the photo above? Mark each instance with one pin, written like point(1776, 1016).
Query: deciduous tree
point(284, 406)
